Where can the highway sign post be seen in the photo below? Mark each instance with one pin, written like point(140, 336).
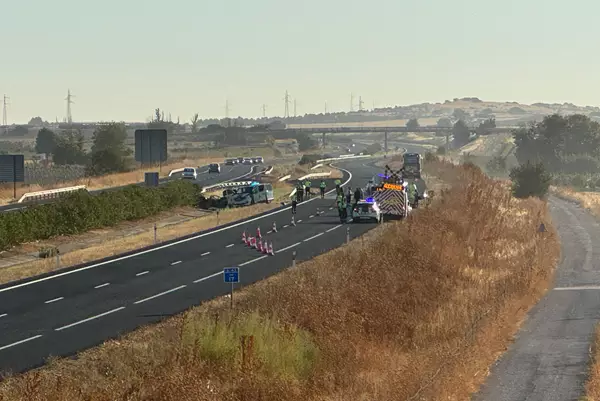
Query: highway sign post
point(151, 146)
point(12, 169)
point(231, 275)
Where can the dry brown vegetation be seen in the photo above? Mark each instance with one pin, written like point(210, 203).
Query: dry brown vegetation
point(105, 181)
point(588, 200)
point(421, 315)
point(592, 387)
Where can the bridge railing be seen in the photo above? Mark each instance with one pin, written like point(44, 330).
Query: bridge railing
point(49, 194)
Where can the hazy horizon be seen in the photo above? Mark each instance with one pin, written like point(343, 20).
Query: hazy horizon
point(198, 55)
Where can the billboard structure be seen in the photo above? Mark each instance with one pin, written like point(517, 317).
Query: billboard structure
point(151, 146)
point(12, 169)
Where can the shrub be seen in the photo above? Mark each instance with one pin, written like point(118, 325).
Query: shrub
point(309, 159)
point(530, 180)
point(80, 212)
point(441, 150)
point(373, 148)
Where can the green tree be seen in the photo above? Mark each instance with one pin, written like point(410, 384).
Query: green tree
point(412, 124)
point(460, 114)
point(484, 126)
point(109, 152)
point(305, 142)
point(444, 122)
point(69, 148)
point(45, 142)
point(461, 133)
point(530, 180)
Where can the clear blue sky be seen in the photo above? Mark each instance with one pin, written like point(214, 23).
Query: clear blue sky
point(124, 58)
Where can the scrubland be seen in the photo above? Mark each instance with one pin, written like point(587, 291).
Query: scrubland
point(414, 310)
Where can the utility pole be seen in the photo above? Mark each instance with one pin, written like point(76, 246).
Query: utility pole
point(286, 99)
point(264, 109)
point(227, 108)
point(295, 108)
point(69, 103)
point(5, 113)
point(352, 102)
point(360, 104)
point(326, 107)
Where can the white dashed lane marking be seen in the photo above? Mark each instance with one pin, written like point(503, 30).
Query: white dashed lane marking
point(54, 300)
point(142, 273)
point(160, 294)
point(176, 263)
point(229, 246)
point(90, 318)
point(20, 342)
point(205, 253)
point(102, 285)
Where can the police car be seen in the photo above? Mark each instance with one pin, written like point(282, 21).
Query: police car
point(366, 209)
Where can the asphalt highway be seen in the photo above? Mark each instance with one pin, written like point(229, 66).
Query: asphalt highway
point(62, 313)
point(550, 356)
point(228, 173)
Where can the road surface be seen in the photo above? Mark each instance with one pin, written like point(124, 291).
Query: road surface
point(549, 358)
point(62, 313)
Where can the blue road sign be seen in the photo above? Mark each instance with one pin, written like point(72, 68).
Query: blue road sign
point(231, 275)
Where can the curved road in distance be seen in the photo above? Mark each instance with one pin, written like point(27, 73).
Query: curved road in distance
point(65, 312)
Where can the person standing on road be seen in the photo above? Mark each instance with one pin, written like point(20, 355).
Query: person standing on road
point(349, 195)
point(299, 191)
point(357, 195)
point(323, 186)
point(294, 204)
point(412, 193)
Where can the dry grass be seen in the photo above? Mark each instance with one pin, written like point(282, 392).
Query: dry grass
point(106, 181)
point(383, 123)
point(592, 387)
point(120, 244)
point(588, 200)
point(414, 310)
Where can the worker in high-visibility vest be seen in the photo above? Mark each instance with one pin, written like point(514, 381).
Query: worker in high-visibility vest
point(338, 186)
point(322, 187)
point(307, 185)
point(412, 193)
point(299, 191)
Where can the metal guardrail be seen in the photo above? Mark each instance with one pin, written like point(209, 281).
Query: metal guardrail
point(50, 194)
point(343, 158)
point(317, 166)
point(227, 185)
point(285, 177)
point(268, 170)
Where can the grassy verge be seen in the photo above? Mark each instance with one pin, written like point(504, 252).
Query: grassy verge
point(413, 310)
point(588, 200)
point(592, 387)
point(130, 243)
point(105, 181)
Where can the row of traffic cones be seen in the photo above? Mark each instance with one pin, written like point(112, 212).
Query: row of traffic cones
point(258, 243)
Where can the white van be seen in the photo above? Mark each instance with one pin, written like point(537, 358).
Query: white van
point(249, 194)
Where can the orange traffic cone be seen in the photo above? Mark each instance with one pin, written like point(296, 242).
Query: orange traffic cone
point(271, 251)
point(274, 227)
point(260, 246)
point(244, 239)
point(258, 235)
point(266, 248)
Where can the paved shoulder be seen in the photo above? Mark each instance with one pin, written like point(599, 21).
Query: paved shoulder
point(549, 358)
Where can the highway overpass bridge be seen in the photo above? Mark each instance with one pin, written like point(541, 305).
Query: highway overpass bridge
point(392, 129)
point(359, 129)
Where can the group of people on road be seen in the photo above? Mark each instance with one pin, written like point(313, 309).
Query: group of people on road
point(303, 190)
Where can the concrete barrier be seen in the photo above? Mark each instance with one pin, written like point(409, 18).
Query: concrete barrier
point(177, 170)
point(50, 194)
point(315, 175)
point(285, 177)
point(317, 166)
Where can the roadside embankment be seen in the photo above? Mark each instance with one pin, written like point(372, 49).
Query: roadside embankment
point(417, 309)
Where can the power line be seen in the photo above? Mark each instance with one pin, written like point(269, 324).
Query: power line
point(227, 108)
point(264, 110)
point(286, 99)
point(5, 113)
point(326, 107)
point(352, 102)
point(295, 114)
point(69, 103)
point(360, 104)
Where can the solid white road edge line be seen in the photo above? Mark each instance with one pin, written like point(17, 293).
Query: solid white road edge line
point(20, 342)
point(333, 228)
point(313, 237)
point(90, 318)
point(54, 300)
point(142, 273)
point(288, 247)
point(40, 280)
point(102, 285)
point(584, 287)
point(253, 260)
point(160, 294)
point(207, 277)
